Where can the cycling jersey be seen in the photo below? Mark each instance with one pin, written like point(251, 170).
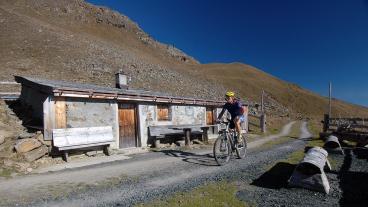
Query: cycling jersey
point(235, 108)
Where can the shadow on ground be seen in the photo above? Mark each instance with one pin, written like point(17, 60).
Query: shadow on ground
point(277, 177)
point(206, 159)
point(354, 184)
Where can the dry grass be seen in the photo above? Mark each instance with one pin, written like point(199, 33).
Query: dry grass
point(210, 195)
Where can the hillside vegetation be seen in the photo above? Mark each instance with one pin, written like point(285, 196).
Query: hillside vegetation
point(76, 41)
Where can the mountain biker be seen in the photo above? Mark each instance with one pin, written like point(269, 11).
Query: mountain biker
point(234, 107)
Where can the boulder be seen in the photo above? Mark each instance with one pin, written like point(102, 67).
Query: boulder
point(36, 153)
point(26, 145)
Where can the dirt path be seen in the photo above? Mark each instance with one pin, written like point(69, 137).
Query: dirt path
point(114, 181)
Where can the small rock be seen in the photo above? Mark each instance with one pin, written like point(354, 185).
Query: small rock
point(180, 143)
point(196, 141)
point(29, 170)
point(8, 163)
point(39, 137)
point(2, 139)
point(21, 167)
point(25, 135)
point(91, 153)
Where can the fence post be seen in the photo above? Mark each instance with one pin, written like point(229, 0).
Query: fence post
point(263, 116)
point(263, 123)
point(326, 122)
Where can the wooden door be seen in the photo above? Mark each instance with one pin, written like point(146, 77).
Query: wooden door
point(127, 126)
point(209, 116)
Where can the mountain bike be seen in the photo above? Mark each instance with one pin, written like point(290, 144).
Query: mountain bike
point(225, 144)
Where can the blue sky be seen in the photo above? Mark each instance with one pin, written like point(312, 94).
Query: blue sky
point(307, 42)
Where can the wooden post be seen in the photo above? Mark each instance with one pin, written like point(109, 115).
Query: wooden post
point(263, 115)
point(205, 134)
point(262, 102)
point(187, 136)
point(263, 123)
point(326, 122)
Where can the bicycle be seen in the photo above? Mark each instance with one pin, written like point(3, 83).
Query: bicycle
point(225, 146)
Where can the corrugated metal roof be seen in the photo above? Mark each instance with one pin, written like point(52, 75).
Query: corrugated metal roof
point(62, 88)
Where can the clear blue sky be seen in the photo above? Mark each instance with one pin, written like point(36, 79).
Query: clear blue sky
point(307, 42)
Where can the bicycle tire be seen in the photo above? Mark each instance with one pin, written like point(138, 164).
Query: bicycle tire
point(242, 151)
point(221, 157)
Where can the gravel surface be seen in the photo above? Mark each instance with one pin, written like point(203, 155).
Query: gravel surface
point(261, 175)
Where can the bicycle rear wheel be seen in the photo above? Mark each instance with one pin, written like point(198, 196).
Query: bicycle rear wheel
point(222, 151)
point(241, 148)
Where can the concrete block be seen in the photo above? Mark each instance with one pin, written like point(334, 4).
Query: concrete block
point(310, 174)
point(332, 145)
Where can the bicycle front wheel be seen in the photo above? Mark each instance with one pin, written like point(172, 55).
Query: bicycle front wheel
point(222, 151)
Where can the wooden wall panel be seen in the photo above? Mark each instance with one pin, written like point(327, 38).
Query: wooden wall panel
point(209, 116)
point(60, 113)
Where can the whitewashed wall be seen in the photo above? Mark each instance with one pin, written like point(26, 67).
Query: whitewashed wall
point(82, 112)
point(179, 114)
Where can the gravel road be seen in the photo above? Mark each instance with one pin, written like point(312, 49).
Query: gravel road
point(153, 175)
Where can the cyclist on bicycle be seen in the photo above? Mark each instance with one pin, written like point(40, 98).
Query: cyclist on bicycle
point(234, 107)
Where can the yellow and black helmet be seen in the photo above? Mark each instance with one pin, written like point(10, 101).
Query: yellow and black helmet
point(230, 94)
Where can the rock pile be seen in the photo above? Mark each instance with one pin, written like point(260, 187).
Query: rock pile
point(32, 146)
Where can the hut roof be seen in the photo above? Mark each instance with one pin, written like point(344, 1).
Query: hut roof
point(70, 89)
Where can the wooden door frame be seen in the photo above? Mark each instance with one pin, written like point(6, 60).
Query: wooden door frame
point(214, 116)
point(136, 127)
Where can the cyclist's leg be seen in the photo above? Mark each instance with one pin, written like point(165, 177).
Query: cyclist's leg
point(237, 122)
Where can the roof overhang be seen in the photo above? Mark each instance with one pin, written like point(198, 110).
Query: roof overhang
point(120, 95)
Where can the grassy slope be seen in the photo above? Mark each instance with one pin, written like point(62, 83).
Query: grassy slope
point(250, 81)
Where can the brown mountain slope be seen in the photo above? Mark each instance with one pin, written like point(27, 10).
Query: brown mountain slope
point(250, 81)
point(73, 40)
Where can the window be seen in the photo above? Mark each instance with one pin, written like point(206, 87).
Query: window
point(163, 113)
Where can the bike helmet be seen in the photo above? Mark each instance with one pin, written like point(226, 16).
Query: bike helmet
point(230, 94)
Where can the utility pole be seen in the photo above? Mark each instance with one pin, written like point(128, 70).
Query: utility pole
point(326, 120)
point(263, 114)
point(330, 99)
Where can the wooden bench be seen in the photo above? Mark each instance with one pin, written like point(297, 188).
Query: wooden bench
point(159, 132)
point(76, 138)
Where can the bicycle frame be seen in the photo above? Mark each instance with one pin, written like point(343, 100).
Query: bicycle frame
point(229, 134)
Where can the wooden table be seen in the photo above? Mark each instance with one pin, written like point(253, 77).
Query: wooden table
point(187, 129)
